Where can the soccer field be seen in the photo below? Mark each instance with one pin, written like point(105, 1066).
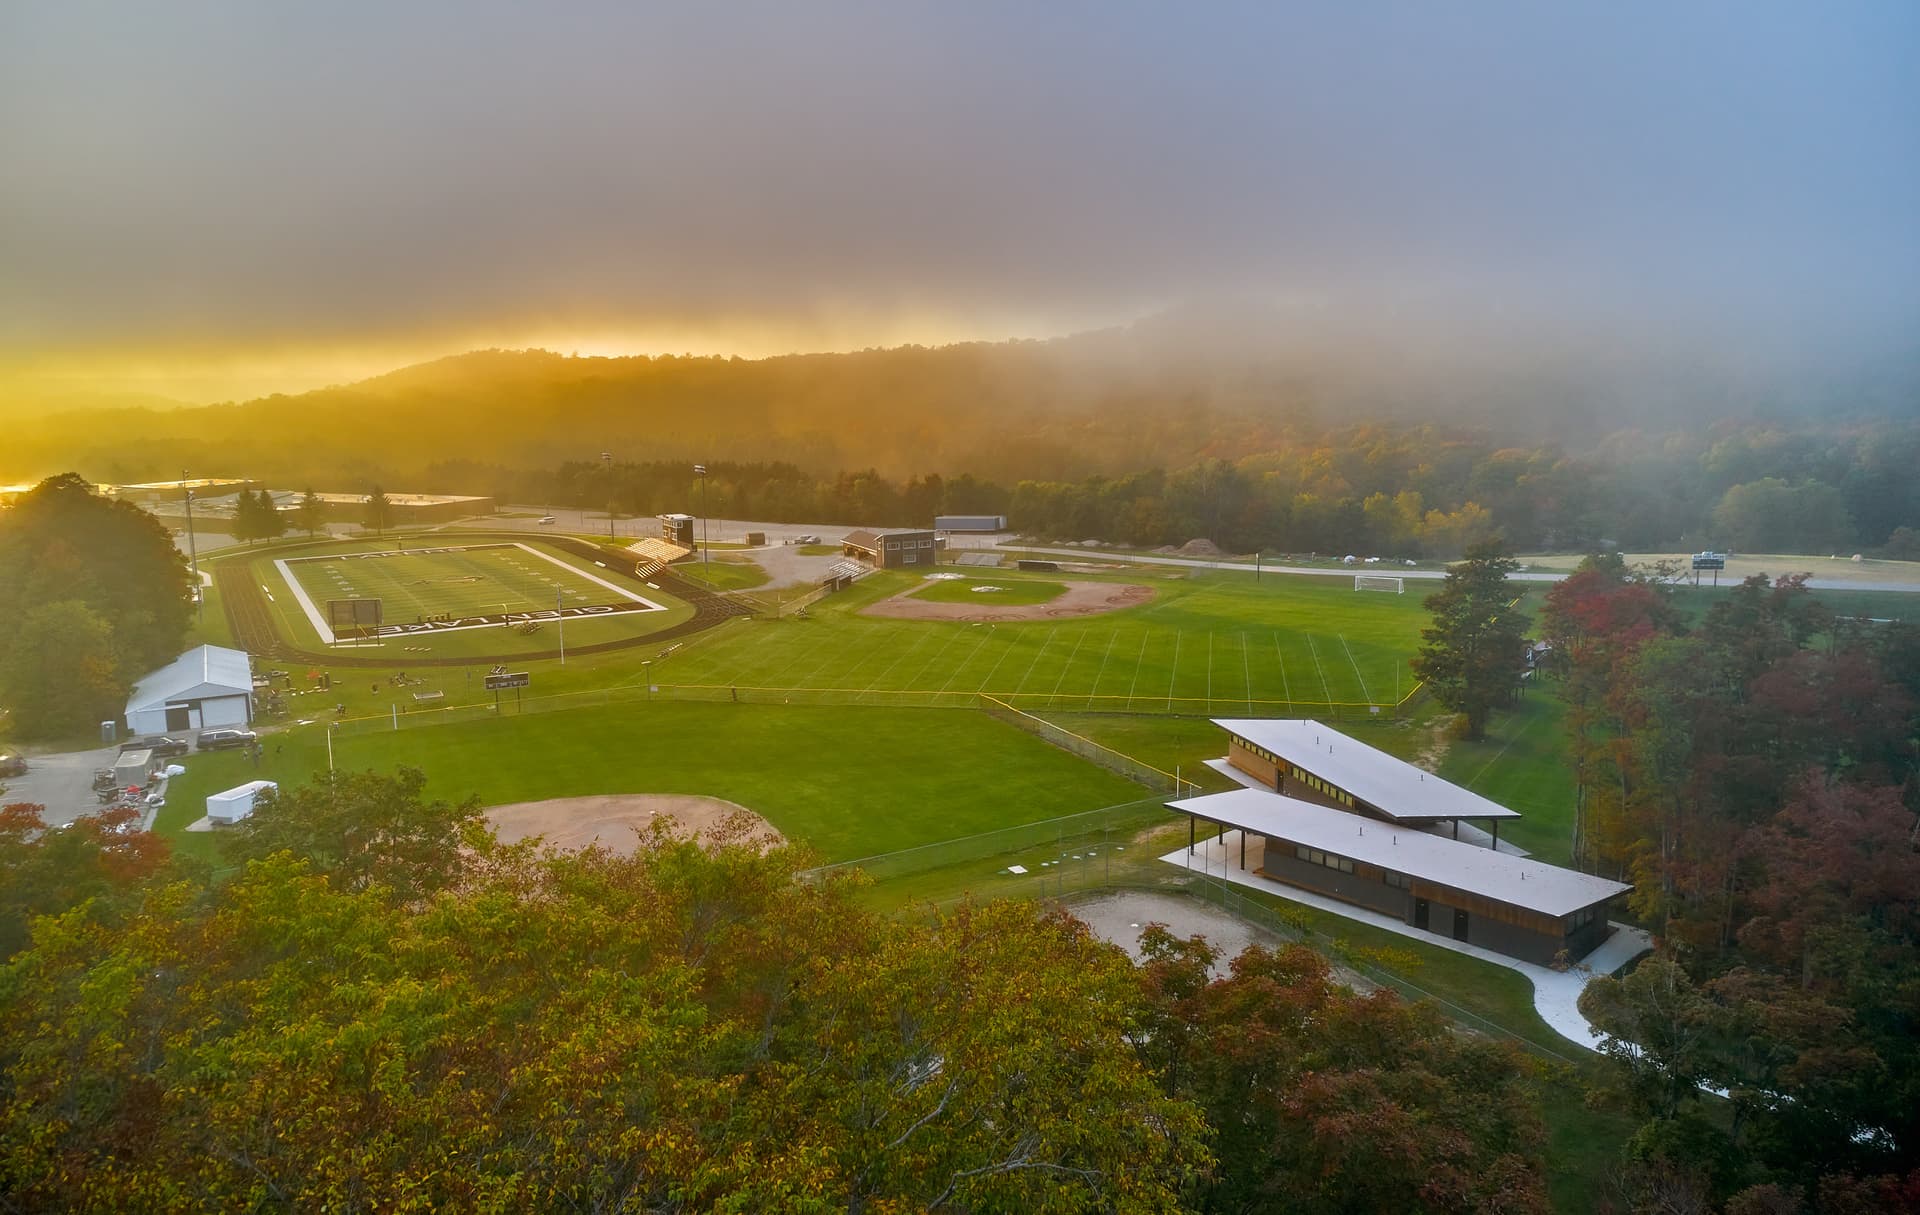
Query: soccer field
point(1218, 644)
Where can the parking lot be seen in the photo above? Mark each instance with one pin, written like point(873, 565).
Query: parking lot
point(61, 783)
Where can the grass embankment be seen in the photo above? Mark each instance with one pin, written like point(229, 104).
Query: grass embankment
point(847, 782)
point(725, 574)
point(1004, 592)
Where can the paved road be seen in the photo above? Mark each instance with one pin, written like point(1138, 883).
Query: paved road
point(1094, 554)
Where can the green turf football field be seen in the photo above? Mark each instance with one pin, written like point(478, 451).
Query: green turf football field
point(459, 582)
point(420, 584)
point(1213, 644)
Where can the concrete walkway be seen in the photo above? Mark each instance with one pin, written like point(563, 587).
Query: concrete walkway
point(1556, 994)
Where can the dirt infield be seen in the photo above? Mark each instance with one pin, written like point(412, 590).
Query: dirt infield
point(619, 822)
point(1081, 599)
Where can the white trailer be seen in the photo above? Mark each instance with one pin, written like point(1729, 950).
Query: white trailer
point(232, 805)
point(132, 769)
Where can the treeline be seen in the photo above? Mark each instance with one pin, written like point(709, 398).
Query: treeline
point(93, 595)
point(383, 1008)
point(1253, 452)
point(1756, 776)
point(1419, 492)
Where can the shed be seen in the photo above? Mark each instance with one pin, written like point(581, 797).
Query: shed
point(205, 687)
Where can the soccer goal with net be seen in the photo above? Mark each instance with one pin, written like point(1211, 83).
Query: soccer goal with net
point(1379, 582)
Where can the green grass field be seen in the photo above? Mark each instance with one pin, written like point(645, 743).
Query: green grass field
point(848, 782)
point(1210, 644)
point(418, 583)
point(1011, 592)
point(726, 574)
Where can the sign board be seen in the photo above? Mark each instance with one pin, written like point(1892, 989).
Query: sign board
point(354, 613)
point(516, 680)
point(1709, 561)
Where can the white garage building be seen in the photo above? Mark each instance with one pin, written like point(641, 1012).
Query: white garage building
point(203, 688)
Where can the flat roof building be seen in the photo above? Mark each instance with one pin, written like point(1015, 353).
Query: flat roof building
point(969, 523)
point(1336, 817)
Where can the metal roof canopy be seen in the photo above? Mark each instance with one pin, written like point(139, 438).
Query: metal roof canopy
point(1518, 881)
point(1391, 785)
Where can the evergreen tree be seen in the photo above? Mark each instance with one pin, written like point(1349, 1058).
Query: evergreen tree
point(246, 517)
point(311, 515)
point(272, 525)
point(1472, 656)
point(379, 511)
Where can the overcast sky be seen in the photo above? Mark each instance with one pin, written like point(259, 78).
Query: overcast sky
point(212, 178)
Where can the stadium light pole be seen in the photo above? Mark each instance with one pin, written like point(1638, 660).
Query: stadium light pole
point(706, 570)
point(563, 625)
point(606, 465)
point(193, 557)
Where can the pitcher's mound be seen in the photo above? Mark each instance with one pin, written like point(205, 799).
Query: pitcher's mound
point(617, 822)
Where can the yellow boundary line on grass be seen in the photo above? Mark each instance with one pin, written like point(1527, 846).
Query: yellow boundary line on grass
point(626, 691)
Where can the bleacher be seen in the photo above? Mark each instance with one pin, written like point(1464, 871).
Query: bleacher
point(651, 549)
point(849, 569)
point(645, 570)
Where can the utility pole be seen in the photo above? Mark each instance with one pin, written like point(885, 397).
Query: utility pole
point(193, 558)
point(563, 625)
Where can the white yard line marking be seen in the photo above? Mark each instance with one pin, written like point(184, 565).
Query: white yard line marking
point(1285, 687)
point(1314, 650)
point(1246, 672)
point(986, 635)
point(1035, 662)
point(1173, 678)
point(1101, 673)
point(1077, 643)
point(1137, 660)
point(1356, 667)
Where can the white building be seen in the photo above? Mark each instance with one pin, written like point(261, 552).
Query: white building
point(203, 688)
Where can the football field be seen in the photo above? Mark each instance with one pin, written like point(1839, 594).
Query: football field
point(429, 592)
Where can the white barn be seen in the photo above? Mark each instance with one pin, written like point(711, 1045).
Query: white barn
point(204, 688)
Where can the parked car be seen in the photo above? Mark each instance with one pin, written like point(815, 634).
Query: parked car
point(548, 519)
point(12, 765)
point(806, 539)
point(221, 740)
point(160, 745)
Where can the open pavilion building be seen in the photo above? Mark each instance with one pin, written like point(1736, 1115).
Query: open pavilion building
point(1326, 813)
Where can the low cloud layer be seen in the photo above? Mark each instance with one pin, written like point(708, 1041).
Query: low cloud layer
point(779, 176)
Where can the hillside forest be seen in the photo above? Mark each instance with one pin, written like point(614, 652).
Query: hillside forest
point(1071, 442)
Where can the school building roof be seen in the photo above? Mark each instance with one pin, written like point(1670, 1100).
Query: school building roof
point(1393, 786)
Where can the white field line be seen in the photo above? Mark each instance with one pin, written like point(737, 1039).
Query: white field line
point(1356, 667)
point(1326, 691)
point(1097, 675)
point(1137, 660)
point(952, 636)
point(1174, 678)
point(1285, 686)
point(1077, 643)
point(577, 572)
point(1035, 662)
point(902, 656)
point(1004, 651)
point(985, 636)
point(1246, 672)
point(306, 604)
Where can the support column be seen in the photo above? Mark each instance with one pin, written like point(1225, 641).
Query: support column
point(1243, 848)
point(1456, 828)
point(1495, 824)
point(1190, 830)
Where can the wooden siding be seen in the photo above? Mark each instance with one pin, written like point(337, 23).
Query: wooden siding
point(1251, 764)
